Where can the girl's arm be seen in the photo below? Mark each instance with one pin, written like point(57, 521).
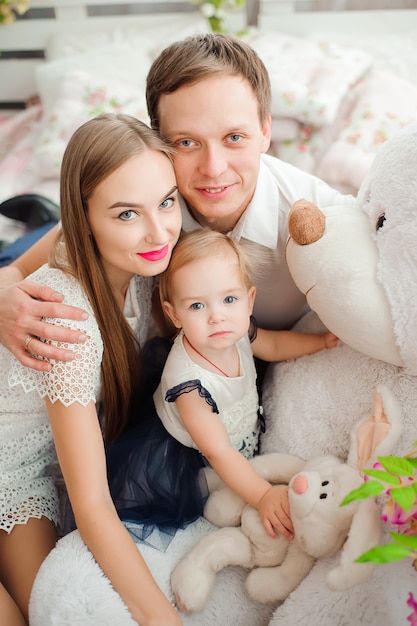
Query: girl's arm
point(281, 345)
point(210, 436)
point(81, 455)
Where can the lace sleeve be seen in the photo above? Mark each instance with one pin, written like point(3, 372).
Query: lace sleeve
point(73, 381)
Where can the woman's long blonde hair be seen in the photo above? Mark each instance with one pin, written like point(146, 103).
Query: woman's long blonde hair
point(95, 150)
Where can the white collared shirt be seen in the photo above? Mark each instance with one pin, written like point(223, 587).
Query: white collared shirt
point(279, 303)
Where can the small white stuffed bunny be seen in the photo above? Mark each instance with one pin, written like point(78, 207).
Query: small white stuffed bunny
point(321, 526)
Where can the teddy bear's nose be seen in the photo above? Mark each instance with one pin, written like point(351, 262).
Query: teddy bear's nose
point(306, 223)
point(300, 484)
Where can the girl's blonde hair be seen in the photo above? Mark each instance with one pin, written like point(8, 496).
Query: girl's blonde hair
point(203, 243)
point(95, 150)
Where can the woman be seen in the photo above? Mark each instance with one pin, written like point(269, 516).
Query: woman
point(120, 222)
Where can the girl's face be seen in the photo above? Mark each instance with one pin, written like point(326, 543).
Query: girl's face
point(135, 218)
point(211, 303)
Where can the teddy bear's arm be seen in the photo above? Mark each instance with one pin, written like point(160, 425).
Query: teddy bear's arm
point(193, 578)
point(274, 584)
point(224, 507)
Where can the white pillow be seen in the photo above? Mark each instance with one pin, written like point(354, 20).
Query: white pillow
point(118, 62)
point(309, 79)
point(81, 96)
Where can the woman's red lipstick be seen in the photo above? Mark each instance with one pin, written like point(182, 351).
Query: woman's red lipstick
point(155, 255)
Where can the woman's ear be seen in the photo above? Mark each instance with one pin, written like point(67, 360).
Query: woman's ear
point(170, 313)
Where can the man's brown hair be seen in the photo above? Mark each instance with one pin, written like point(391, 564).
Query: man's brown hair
point(194, 58)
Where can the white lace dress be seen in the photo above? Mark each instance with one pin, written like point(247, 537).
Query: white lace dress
point(28, 473)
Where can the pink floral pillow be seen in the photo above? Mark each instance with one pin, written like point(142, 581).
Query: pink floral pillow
point(80, 98)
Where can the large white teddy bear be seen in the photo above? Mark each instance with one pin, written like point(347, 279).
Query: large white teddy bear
point(358, 268)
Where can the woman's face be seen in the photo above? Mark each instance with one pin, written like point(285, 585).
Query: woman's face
point(135, 218)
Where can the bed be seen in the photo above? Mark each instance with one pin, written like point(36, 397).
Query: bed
point(343, 82)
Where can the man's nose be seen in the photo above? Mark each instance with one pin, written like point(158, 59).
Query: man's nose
point(213, 162)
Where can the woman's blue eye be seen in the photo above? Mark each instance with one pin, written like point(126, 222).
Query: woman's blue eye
point(185, 143)
point(197, 306)
point(167, 203)
point(229, 299)
point(127, 215)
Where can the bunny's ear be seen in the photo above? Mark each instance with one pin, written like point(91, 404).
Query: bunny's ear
point(364, 534)
point(377, 434)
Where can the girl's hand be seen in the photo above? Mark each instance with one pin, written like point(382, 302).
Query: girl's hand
point(22, 307)
point(274, 510)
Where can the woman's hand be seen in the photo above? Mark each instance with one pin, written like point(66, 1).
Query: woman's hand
point(22, 307)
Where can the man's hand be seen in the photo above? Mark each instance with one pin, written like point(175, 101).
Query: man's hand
point(274, 510)
point(22, 306)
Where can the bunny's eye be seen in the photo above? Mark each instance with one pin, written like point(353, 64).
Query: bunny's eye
point(324, 483)
point(323, 496)
point(380, 221)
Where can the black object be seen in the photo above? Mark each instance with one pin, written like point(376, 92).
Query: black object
point(33, 209)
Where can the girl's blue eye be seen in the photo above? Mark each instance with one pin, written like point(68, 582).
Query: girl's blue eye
point(127, 215)
point(197, 306)
point(167, 203)
point(230, 299)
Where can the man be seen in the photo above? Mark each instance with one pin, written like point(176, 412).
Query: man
point(210, 96)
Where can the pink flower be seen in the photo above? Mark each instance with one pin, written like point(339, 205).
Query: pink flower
point(395, 514)
point(411, 602)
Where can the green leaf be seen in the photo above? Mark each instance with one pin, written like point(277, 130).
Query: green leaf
point(404, 496)
point(369, 489)
point(413, 461)
point(384, 554)
point(397, 465)
point(384, 477)
point(406, 540)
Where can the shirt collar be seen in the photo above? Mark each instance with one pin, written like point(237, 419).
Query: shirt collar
point(259, 223)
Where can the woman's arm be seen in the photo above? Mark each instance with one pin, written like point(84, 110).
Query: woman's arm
point(81, 456)
point(23, 305)
point(281, 345)
point(210, 436)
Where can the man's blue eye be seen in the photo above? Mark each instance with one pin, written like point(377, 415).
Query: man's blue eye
point(127, 215)
point(235, 138)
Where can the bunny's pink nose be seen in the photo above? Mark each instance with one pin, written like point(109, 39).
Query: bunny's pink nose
point(300, 484)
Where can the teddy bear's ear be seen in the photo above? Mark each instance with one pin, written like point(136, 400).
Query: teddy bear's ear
point(377, 434)
point(364, 533)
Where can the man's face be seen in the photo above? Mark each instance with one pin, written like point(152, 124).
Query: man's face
point(214, 125)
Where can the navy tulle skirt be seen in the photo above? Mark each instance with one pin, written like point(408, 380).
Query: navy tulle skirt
point(157, 484)
point(155, 480)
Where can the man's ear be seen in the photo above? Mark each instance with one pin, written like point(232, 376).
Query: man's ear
point(170, 312)
point(251, 298)
point(266, 132)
